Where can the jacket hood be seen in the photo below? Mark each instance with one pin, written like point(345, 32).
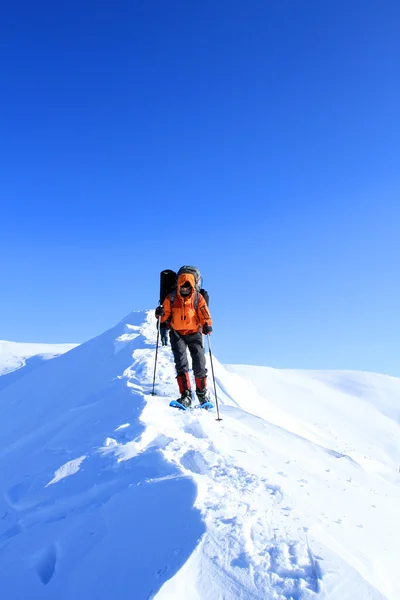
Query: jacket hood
point(186, 277)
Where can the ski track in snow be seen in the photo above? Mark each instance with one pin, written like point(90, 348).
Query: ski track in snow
point(272, 490)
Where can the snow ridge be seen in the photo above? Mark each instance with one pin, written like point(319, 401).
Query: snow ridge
point(104, 488)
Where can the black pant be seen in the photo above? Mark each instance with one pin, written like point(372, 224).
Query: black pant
point(164, 336)
point(193, 341)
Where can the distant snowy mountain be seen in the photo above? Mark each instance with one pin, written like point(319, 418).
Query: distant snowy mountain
point(13, 355)
point(105, 491)
point(18, 359)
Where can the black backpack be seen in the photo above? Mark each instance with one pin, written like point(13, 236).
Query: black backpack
point(167, 283)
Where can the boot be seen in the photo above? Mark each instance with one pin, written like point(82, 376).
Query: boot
point(202, 396)
point(201, 389)
point(186, 399)
point(183, 380)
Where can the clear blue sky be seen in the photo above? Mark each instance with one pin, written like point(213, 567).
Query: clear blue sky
point(257, 140)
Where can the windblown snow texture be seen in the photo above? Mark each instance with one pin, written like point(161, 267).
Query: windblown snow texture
point(107, 491)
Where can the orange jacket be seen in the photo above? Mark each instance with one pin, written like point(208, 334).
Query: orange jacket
point(182, 314)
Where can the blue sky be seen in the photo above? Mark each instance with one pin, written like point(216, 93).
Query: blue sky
point(257, 140)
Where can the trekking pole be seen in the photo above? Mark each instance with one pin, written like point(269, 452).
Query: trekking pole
point(212, 370)
point(155, 362)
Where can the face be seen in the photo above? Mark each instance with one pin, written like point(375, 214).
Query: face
point(185, 290)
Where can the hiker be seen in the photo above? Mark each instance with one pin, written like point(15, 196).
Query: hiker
point(186, 312)
point(164, 334)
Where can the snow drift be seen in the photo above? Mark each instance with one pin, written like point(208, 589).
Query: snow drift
point(105, 490)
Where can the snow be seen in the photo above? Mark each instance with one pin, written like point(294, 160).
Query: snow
point(105, 490)
point(70, 468)
point(14, 355)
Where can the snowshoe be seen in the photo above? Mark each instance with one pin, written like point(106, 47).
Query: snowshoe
point(204, 400)
point(184, 402)
point(177, 404)
point(205, 405)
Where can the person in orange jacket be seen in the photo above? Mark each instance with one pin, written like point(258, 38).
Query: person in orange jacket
point(187, 314)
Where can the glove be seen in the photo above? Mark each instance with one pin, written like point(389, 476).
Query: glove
point(207, 329)
point(159, 311)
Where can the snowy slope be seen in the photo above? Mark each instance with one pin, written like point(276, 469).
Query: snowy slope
point(13, 355)
point(106, 491)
